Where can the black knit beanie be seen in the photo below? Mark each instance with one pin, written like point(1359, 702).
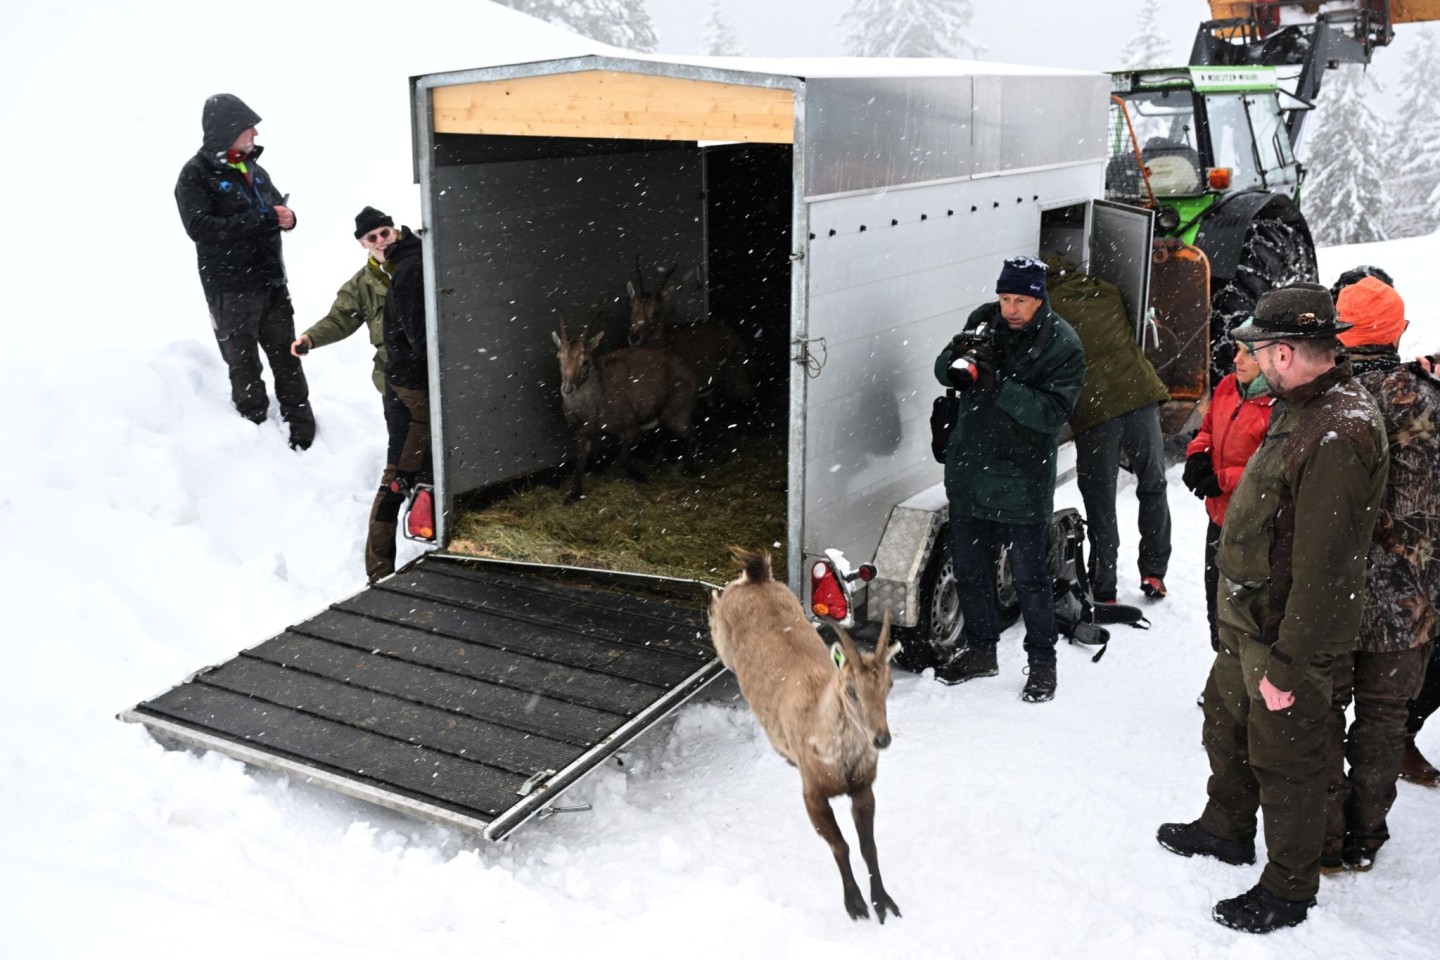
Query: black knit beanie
point(1023, 275)
point(368, 219)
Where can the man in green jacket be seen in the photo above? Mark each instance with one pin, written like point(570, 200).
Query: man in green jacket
point(1018, 367)
point(1292, 590)
point(1118, 413)
point(361, 300)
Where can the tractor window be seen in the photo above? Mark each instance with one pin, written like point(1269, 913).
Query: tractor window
point(1164, 125)
point(1231, 140)
point(1272, 140)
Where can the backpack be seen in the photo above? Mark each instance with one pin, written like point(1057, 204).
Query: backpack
point(1077, 615)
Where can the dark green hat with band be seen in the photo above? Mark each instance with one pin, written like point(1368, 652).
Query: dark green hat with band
point(1300, 311)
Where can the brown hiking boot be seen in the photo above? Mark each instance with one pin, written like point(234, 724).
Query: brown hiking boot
point(1415, 768)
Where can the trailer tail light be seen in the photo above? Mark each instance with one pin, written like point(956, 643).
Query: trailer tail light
point(829, 595)
point(1218, 178)
point(827, 592)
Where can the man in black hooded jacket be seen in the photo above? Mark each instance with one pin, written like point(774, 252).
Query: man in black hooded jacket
point(233, 212)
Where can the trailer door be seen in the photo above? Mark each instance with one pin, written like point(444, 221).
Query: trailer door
point(1120, 238)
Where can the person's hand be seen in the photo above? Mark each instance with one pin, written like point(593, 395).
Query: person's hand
point(984, 356)
point(301, 346)
point(1199, 476)
point(286, 216)
point(1275, 698)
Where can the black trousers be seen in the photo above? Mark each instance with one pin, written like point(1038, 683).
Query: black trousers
point(245, 322)
point(1098, 452)
point(1427, 701)
point(407, 458)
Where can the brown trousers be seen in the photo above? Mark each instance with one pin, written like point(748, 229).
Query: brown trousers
point(407, 419)
point(1381, 685)
point(1270, 762)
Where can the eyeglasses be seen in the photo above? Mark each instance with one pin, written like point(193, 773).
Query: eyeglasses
point(1274, 343)
point(375, 236)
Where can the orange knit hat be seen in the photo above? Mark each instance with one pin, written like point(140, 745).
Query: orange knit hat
point(1375, 309)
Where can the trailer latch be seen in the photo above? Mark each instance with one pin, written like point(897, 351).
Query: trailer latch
point(534, 781)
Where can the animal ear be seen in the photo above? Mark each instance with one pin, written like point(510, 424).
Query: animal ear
point(850, 650)
point(556, 337)
point(837, 653)
point(891, 650)
point(630, 288)
point(883, 642)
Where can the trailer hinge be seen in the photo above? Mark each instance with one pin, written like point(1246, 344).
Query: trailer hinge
point(547, 812)
point(534, 781)
point(808, 358)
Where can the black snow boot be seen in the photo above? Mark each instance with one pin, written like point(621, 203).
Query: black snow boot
point(1040, 686)
point(1257, 910)
point(1188, 839)
point(967, 664)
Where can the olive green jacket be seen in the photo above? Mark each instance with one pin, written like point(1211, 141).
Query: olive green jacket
point(1000, 462)
point(1297, 532)
point(1118, 377)
point(360, 302)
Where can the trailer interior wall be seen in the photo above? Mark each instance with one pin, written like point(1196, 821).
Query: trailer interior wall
point(519, 240)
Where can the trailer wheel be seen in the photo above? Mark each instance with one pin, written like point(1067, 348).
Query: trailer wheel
point(937, 630)
point(1276, 252)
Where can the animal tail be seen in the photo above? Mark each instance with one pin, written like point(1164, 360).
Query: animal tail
point(755, 565)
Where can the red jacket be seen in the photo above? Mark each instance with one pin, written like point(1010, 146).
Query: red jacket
point(1232, 430)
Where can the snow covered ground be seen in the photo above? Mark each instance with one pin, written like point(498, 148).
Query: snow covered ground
point(148, 531)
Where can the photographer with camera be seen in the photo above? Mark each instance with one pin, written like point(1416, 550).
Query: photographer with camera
point(1018, 368)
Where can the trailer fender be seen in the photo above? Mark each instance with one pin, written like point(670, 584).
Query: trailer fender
point(902, 555)
point(1222, 233)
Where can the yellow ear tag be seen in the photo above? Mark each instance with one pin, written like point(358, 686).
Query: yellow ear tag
point(837, 653)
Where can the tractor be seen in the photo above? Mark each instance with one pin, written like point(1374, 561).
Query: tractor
point(1210, 147)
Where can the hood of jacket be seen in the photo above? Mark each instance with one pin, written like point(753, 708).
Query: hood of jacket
point(224, 118)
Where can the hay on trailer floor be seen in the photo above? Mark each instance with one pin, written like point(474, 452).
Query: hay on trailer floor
point(670, 525)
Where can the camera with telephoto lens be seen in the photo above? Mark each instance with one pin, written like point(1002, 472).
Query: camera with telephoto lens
point(966, 365)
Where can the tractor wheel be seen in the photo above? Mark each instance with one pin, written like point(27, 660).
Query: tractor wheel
point(1276, 252)
point(936, 633)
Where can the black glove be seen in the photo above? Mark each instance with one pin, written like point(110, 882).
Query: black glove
point(1199, 475)
point(974, 362)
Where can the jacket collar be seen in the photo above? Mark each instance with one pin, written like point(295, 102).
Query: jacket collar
point(1305, 393)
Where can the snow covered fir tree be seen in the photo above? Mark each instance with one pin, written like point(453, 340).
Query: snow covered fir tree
point(1149, 47)
point(1345, 197)
point(910, 28)
point(620, 23)
point(1414, 144)
point(720, 40)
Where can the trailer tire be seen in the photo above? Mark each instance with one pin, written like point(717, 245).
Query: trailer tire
point(937, 630)
point(1275, 252)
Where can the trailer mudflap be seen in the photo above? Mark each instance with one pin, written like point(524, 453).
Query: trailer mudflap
point(461, 691)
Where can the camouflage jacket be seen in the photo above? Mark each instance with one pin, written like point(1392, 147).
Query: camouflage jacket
point(1293, 548)
point(1403, 582)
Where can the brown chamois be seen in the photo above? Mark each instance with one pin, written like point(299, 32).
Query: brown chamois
point(823, 711)
point(713, 351)
point(620, 393)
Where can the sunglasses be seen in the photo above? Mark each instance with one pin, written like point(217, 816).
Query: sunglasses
point(375, 236)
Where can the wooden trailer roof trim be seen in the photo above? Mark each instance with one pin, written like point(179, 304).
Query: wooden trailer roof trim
point(611, 104)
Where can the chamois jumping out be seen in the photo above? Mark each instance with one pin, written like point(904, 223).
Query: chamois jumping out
point(620, 393)
point(713, 351)
point(823, 709)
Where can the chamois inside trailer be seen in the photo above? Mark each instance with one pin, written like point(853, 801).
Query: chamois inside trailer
point(528, 227)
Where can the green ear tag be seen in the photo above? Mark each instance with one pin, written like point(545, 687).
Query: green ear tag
point(837, 654)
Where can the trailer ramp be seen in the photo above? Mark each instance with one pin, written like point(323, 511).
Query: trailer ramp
point(466, 692)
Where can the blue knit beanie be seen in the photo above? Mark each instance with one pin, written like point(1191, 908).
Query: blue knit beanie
point(1023, 275)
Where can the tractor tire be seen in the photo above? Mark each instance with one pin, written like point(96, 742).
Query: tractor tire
point(1276, 253)
point(936, 633)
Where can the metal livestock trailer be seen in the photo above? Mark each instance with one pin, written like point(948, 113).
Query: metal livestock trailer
point(843, 216)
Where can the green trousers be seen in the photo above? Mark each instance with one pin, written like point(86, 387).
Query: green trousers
point(1269, 762)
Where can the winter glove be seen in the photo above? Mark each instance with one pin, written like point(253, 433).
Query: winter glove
point(974, 363)
point(1199, 475)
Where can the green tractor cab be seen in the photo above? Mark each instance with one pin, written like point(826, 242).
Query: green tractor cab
point(1207, 148)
